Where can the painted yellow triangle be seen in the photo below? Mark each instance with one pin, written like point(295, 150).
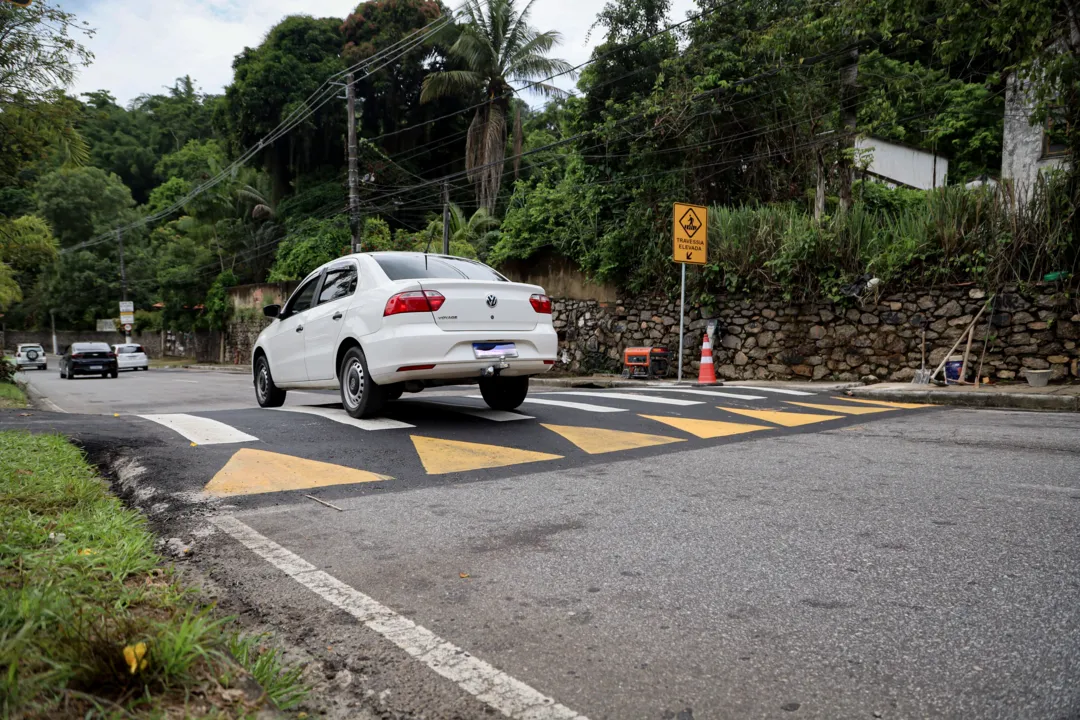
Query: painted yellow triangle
point(885, 403)
point(846, 409)
point(250, 471)
point(706, 428)
point(780, 417)
point(448, 456)
point(596, 440)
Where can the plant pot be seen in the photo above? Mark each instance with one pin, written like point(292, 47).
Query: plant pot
point(1037, 378)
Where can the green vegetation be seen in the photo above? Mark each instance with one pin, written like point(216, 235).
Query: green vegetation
point(11, 395)
point(91, 622)
point(750, 109)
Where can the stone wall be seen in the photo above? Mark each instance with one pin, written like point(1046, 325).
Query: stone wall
point(876, 339)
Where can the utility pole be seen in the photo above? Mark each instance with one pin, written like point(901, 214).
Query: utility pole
point(354, 173)
point(52, 318)
point(123, 276)
point(445, 218)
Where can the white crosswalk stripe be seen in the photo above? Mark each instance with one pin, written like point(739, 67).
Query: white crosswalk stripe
point(485, 413)
point(627, 396)
point(707, 393)
point(781, 391)
point(339, 415)
point(587, 407)
point(200, 430)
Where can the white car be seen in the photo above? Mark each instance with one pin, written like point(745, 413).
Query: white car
point(131, 357)
point(378, 324)
point(30, 355)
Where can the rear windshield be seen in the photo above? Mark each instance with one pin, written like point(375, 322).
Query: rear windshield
point(29, 347)
point(417, 267)
point(128, 349)
point(90, 347)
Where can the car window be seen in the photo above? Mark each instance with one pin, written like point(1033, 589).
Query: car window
point(301, 300)
point(128, 349)
point(417, 267)
point(340, 282)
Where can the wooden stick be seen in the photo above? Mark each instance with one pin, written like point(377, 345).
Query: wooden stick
point(986, 342)
point(323, 502)
point(955, 345)
point(967, 352)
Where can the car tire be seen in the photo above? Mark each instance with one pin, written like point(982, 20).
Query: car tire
point(267, 393)
point(361, 396)
point(504, 393)
point(63, 375)
point(114, 374)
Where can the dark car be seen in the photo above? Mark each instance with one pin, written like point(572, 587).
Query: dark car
point(88, 358)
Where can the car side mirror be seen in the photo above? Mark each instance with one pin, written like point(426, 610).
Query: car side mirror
point(272, 311)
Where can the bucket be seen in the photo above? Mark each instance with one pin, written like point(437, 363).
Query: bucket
point(952, 369)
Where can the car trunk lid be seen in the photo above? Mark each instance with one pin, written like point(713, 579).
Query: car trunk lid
point(476, 305)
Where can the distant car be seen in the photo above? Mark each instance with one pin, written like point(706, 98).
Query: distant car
point(88, 358)
point(30, 355)
point(378, 324)
point(131, 357)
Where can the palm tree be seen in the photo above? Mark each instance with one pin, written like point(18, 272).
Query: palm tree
point(477, 233)
point(495, 47)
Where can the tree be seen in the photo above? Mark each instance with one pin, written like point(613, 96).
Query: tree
point(474, 235)
point(274, 80)
point(495, 48)
point(79, 203)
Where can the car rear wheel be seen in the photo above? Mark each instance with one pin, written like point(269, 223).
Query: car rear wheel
point(504, 393)
point(115, 374)
point(361, 396)
point(63, 375)
point(267, 393)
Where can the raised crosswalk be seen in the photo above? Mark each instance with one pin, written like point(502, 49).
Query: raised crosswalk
point(632, 397)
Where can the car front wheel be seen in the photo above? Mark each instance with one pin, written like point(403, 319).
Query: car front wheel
point(361, 396)
point(504, 393)
point(267, 393)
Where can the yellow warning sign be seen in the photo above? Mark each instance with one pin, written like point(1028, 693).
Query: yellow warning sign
point(691, 234)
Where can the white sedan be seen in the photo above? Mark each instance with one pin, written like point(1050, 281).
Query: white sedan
point(131, 357)
point(378, 324)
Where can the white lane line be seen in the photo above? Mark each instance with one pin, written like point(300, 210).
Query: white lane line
point(781, 391)
point(485, 413)
point(340, 416)
point(707, 393)
point(628, 396)
point(488, 684)
point(200, 430)
point(190, 382)
point(567, 404)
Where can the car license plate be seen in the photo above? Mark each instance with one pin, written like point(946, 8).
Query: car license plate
point(494, 351)
point(95, 367)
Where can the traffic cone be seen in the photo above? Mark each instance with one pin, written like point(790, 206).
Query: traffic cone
point(706, 373)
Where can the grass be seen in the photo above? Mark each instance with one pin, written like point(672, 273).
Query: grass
point(11, 396)
point(92, 624)
point(171, 362)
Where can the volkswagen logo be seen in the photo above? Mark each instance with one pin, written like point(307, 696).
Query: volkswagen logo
point(492, 301)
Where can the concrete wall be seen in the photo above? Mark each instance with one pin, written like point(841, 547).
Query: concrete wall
point(903, 165)
point(260, 294)
point(559, 278)
point(1022, 143)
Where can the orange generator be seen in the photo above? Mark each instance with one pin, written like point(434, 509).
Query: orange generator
point(645, 362)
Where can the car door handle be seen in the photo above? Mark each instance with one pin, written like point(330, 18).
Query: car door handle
point(299, 328)
point(337, 316)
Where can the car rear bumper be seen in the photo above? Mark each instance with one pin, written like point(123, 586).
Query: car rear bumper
point(133, 364)
point(451, 353)
point(20, 364)
point(84, 368)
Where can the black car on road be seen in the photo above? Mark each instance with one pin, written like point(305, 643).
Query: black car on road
point(88, 358)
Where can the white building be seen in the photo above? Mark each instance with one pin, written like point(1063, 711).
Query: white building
point(896, 164)
point(1027, 149)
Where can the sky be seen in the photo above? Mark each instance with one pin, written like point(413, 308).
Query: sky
point(142, 46)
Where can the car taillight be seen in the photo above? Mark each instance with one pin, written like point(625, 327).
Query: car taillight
point(541, 304)
point(414, 301)
point(77, 356)
point(111, 356)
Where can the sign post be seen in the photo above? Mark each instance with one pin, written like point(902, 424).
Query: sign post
point(690, 241)
point(127, 318)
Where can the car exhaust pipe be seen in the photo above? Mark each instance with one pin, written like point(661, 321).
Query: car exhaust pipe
point(487, 372)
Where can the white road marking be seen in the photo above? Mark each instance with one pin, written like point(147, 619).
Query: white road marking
point(781, 391)
point(572, 405)
point(488, 684)
point(340, 416)
point(190, 382)
point(628, 396)
point(200, 430)
point(708, 393)
point(485, 413)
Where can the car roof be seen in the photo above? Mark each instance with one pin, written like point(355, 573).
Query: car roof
point(90, 343)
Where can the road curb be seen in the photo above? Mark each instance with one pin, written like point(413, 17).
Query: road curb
point(975, 399)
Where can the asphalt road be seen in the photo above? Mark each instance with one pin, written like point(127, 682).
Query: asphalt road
point(660, 561)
